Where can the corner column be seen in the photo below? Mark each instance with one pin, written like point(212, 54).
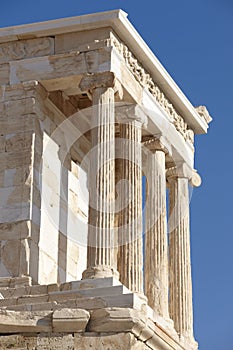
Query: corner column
point(156, 244)
point(181, 308)
point(101, 261)
point(130, 257)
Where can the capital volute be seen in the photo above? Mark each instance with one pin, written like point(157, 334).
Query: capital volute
point(130, 113)
point(156, 143)
point(196, 179)
point(184, 171)
point(92, 81)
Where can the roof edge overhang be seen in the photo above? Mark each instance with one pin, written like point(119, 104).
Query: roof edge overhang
point(117, 19)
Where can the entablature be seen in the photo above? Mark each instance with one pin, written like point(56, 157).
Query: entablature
point(145, 66)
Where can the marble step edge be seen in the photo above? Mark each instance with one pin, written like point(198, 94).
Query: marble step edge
point(104, 320)
point(45, 289)
point(130, 300)
point(65, 320)
point(67, 294)
point(137, 322)
point(14, 282)
point(74, 300)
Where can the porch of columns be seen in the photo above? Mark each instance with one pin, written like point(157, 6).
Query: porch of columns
point(130, 240)
point(156, 243)
point(101, 257)
point(180, 278)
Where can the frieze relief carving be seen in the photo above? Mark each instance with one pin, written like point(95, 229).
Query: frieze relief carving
point(146, 80)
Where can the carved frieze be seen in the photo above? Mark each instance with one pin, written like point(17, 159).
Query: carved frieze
point(145, 79)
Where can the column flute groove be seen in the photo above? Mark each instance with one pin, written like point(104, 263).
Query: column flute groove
point(130, 257)
point(156, 243)
point(181, 309)
point(101, 257)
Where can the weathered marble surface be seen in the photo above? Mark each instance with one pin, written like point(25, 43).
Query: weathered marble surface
point(100, 252)
point(49, 73)
point(18, 50)
point(74, 341)
point(130, 259)
point(22, 224)
point(156, 244)
point(181, 308)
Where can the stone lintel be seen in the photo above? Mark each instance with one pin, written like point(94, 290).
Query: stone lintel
point(60, 66)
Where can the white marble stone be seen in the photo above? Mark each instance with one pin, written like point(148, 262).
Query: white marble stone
point(181, 308)
point(79, 100)
point(156, 244)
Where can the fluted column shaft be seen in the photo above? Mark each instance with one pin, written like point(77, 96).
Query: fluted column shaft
point(156, 245)
point(181, 309)
point(130, 259)
point(100, 252)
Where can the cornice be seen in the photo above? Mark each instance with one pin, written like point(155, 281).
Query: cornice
point(118, 21)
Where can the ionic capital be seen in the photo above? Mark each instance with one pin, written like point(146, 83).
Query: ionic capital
point(196, 179)
point(126, 114)
point(184, 171)
point(89, 82)
point(156, 143)
point(179, 171)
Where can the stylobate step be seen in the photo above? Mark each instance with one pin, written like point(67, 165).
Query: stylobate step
point(20, 291)
point(90, 283)
point(98, 292)
point(88, 303)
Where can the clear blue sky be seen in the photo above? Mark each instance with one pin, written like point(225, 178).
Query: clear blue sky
point(194, 41)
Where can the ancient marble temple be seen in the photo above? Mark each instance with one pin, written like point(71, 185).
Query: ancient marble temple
point(96, 171)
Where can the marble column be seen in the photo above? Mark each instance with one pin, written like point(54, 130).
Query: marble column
point(130, 258)
point(180, 306)
point(101, 260)
point(156, 244)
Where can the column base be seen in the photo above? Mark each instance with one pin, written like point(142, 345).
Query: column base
point(188, 342)
point(142, 297)
point(100, 272)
